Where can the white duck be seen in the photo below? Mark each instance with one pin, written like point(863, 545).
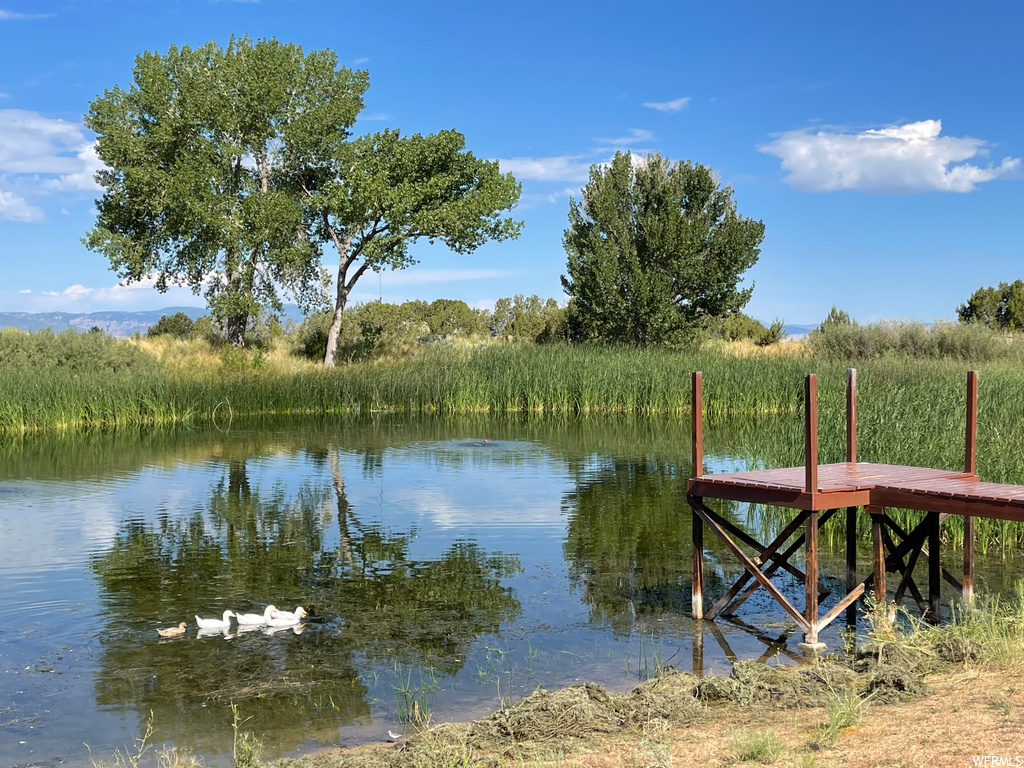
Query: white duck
point(255, 619)
point(222, 623)
point(287, 618)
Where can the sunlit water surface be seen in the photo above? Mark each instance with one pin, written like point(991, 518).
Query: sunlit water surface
point(449, 567)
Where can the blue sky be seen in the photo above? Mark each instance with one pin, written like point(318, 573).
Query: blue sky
point(880, 143)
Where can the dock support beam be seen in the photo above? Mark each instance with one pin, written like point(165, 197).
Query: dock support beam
point(878, 552)
point(697, 469)
point(811, 579)
point(971, 466)
point(934, 569)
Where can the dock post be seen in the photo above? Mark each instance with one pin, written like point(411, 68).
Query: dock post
point(811, 526)
point(811, 580)
point(851, 512)
point(934, 569)
point(971, 467)
point(811, 434)
point(878, 552)
point(696, 523)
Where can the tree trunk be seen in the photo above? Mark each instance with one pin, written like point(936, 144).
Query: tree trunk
point(236, 326)
point(335, 330)
point(339, 302)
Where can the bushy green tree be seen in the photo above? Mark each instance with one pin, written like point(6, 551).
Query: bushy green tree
point(208, 160)
point(178, 325)
point(386, 191)
point(654, 248)
point(1001, 307)
point(523, 318)
point(836, 317)
point(450, 317)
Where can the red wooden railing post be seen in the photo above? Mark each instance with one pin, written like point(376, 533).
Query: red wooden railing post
point(811, 434)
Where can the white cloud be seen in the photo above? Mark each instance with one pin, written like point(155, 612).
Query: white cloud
point(362, 60)
point(14, 208)
point(15, 16)
point(556, 168)
point(908, 158)
point(537, 199)
point(25, 290)
point(375, 116)
point(669, 106)
point(41, 156)
point(635, 135)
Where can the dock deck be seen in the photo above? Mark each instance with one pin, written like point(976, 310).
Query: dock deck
point(819, 492)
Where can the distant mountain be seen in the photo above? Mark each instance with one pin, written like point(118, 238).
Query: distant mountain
point(114, 323)
point(798, 331)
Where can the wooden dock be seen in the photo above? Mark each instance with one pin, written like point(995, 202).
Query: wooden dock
point(819, 492)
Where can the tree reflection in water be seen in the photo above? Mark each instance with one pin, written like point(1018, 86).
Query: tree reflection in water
point(373, 602)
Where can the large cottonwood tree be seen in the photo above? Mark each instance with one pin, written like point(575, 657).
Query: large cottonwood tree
point(204, 154)
point(654, 248)
point(389, 191)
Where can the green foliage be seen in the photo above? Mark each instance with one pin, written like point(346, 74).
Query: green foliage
point(448, 317)
point(312, 335)
point(740, 327)
point(70, 351)
point(654, 250)
point(208, 157)
point(851, 342)
point(1001, 307)
point(385, 191)
point(526, 318)
point(178, 325)
point(202, 328)
point(757, 746)
point(836, 317)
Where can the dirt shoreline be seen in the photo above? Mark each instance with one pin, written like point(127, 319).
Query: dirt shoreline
point(889, 705)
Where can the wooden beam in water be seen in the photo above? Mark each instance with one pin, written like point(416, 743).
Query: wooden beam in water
point(934, 569)
point(811, 580)
point(702, 510)
point(697, 469)
point(878, 552)
point(970, 465)
point(775, 564)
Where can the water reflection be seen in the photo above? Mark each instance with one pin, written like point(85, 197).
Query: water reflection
point(471, 560)
point(372, 600)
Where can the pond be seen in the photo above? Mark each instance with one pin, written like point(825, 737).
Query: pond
point(448, 567)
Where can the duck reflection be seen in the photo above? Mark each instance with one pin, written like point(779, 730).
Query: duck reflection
point(374, 603)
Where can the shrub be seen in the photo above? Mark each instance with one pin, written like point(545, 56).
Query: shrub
point(178, 325)
point(71, 351)
point(852, 341)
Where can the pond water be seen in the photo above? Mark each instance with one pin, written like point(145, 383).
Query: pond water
point(448, 566)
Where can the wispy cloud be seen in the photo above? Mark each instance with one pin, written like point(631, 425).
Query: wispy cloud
point(41, 156)
point(635, 135)
point(555, 168)
point(899, 159)
point(375, 116)
point(16, 16)
point(362, 60)
point(15, 208)
point(537, 199)
point(425, 276)
point(676, 105)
